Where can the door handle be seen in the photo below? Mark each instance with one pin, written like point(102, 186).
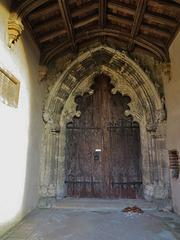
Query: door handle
point(96, 156)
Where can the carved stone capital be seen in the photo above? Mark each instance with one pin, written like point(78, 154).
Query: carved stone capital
point(50, 118)
point(166, 68)
point(42, 73)
point(55, 128)
point(47, 191)
point(43, 191)
point(15, 28)
point(151, 127)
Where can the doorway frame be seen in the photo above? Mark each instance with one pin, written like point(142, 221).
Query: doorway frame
point(145, 108)
point(104, 159)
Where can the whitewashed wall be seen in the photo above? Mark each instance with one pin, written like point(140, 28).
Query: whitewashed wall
point(20, 129)
point(172, 93)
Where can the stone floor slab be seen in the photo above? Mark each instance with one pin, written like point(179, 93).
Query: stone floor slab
point(95, 224)
point(20, 233)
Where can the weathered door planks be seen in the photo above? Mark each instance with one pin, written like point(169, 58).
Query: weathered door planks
point(103, 147)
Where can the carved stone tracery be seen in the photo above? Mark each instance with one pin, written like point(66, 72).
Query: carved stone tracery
point(145, 108)
point(69, 110)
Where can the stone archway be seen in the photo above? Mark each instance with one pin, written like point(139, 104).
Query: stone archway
point(145, 108)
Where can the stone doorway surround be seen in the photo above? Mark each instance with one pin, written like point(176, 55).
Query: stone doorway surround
point(146, 108)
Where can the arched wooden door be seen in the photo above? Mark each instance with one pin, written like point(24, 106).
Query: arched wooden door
point(103, 147)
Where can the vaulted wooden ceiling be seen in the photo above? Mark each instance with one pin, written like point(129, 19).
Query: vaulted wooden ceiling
point(62, 26)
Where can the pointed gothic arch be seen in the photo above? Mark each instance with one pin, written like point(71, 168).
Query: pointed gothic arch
point(145, 108)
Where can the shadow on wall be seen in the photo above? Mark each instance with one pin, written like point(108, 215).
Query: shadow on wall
point(21, 130)
point(31, 186)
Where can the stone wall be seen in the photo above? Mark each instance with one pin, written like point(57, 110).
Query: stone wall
point(20, 128)
point(140, 79)
point(172, 93)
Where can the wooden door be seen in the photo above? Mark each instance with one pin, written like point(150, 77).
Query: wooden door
point(103, 147)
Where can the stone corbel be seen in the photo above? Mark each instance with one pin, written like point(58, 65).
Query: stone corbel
point(166, 68)
point(15, 28)
point(42, 73)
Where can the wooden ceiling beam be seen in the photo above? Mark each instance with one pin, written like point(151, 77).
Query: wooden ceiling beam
point(170, 5)
point(64, 8)
point(115, 36)
point(19, 6)
point(27, 6)
point(174, 34)
point(84, 9)
point(159, 52)
point(64, 52)
point(119, 19)
point(117, 42)
point(141, 7)
point(142, 50)
point(122, 7)
point(72, 1)
point(102, 13)
point(47, 23)
point(95, 40)
point(47, 56)
point(95, 32)
point(153, 40)
point(52, 35)
point(177, 1)
point(115, 33)
point(49, 45)
point(31, 32)
point(43, 11)
point(119, 29)
point(86, 21)
point(106, 32)
point(160, 19)
point(102, 17)
point(156, 30)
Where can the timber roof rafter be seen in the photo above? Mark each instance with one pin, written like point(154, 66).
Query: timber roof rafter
point(62, 26)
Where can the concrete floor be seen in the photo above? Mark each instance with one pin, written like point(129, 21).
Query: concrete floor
point(92, 223)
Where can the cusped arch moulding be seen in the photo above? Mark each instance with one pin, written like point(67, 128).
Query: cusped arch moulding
point(127, 76)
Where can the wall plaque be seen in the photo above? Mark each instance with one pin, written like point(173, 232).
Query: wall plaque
point(9, 89)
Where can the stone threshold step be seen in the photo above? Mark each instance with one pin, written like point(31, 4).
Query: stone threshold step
point(104, 204)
